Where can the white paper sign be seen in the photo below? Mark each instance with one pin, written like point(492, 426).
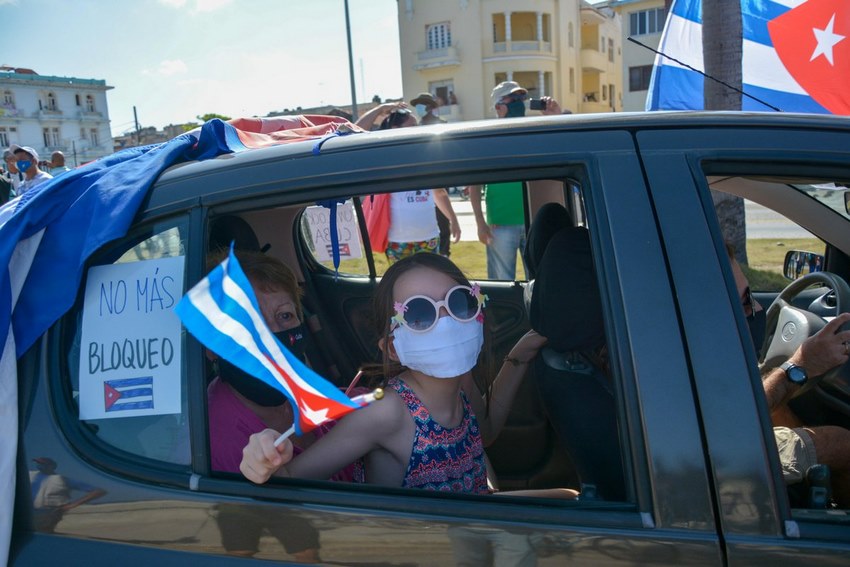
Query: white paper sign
point(318, 221)
point(130, 356)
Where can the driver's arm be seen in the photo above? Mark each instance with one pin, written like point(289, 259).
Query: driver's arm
point(818, 354)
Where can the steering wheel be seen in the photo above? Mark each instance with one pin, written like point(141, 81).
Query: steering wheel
point(788, 326)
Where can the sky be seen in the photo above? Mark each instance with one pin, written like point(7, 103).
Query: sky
point(177, 59)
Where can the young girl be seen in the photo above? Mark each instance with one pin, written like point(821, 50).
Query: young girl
point(430, 429)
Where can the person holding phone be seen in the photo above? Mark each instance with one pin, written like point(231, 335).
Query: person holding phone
point(503, 228)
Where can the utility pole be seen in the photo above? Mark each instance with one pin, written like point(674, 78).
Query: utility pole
point(138, 130)
point(74, 149)
point(354, 114)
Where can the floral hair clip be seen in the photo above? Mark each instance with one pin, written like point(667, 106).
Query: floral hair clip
point(482, 301)
point(398, 319)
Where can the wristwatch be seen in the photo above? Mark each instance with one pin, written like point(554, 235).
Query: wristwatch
point(796, 374)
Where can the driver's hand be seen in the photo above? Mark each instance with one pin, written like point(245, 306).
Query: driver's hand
point(826, 349)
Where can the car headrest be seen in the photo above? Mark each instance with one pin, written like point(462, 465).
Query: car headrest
point(550, 218)
point(228, 228)
point(565, 304)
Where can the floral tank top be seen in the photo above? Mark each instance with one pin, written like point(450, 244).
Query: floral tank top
point(449, 460)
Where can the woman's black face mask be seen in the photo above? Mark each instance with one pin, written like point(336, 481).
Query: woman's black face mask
point(255, 389)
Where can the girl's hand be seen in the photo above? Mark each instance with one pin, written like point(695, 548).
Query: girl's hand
point(527, 347)
point(261, 459)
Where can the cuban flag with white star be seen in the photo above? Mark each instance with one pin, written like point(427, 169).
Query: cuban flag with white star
point(222, 312)
point(796, 57)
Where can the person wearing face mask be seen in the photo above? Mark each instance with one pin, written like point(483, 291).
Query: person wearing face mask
point(26, 161)
point(425, 106)
point(411, 222)
point(502, 227)
point(430, 429)
point(800, 446)
point(240, 404)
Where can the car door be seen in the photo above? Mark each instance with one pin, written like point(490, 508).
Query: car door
point(758, 524)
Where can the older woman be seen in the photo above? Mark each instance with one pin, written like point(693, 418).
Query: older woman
point(240, 404)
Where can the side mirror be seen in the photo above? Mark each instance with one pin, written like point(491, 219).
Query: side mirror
point(798, 263)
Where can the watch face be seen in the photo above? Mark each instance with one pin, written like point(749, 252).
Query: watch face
point(796, 374)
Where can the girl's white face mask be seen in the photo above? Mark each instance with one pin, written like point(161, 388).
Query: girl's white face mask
point(448, 350)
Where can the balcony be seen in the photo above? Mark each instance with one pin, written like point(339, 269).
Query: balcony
point(90, 115)
point(531, 47)
point(593, 60)
point(45, 114)
point(435, 58)
point(590, 105)
point(450, 113)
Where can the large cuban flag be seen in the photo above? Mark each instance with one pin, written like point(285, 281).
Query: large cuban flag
point(222, 312)
point(796, 57)
point(47, 234)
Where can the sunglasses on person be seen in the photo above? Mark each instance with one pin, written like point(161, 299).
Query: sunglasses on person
point(420, 313)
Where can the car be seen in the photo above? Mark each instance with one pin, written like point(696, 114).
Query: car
point(672, 451)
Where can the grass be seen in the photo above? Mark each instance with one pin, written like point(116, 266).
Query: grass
point(764, 271)
point(766, 257)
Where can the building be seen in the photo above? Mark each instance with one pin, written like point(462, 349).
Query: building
point(54, 113)
point(460, 49)
point(644, 21)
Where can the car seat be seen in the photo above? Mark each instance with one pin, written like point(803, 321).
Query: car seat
point(576, 390)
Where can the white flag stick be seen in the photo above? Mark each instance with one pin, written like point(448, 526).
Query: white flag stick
point(362, 399)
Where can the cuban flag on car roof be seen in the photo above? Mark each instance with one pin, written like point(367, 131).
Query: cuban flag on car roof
point(222, 312)
point(47, 234)
point(796, 57)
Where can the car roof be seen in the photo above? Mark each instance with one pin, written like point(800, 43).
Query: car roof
point(193, 177)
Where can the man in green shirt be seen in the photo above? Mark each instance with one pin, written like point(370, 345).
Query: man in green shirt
point(503, 229)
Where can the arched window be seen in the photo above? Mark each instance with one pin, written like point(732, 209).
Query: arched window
point(89, 103)
point(51, 101)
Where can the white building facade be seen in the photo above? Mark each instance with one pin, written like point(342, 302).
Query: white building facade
point(55, 113)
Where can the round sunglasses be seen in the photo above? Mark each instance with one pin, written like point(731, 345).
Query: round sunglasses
point(420, 313)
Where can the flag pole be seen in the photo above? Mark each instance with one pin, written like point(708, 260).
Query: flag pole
point(362, 399)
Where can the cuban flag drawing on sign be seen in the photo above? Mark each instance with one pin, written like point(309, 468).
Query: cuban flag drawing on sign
point(796, 57)
point(127, 394)
point(222, 312)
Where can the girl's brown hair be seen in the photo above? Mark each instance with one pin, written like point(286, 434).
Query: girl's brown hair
point(383, 308)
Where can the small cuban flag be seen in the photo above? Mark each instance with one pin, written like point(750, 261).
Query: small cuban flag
point(222, 312)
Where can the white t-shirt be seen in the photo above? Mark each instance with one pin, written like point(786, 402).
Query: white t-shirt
point(28, 184)
point(412, 217)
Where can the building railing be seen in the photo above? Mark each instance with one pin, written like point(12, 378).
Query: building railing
point(52, 79)
point(522, 46)
point(594, 59)
point(437, 57)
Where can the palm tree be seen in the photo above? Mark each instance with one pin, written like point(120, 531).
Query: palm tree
point(722, 49)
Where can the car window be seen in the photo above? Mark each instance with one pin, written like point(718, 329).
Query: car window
point(770, 237)
point(502, 216)
point(124, 357)
point(541, 447)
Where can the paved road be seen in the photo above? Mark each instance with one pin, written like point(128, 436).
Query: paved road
point(761, 223)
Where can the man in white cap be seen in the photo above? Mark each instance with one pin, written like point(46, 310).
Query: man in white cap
point(503, 229)
point(26, 160)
